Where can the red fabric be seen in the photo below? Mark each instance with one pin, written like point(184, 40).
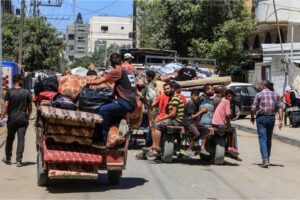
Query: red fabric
point(183, 98)
point(287, 97)
point(163, 103)
point(64, 153)
point(129, 67)
point(136, 116)
point(44, 96)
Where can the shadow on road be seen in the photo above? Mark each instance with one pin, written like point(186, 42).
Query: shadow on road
point(101, 185)
point(191, 161)
point(27, 163)
point(271, 165)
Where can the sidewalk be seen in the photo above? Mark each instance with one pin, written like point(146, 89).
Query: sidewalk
point(286, 134)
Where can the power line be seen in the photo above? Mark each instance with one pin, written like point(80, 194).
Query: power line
point(107, 6)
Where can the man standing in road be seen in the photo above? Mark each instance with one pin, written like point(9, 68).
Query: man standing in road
point(266, 104)
point(17, 105)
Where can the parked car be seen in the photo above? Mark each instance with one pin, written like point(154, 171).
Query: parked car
point(245, 94)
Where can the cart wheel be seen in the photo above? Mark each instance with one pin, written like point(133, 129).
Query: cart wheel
point(220, 150)
point(168, 148)
point(42, 175)
point(114, 177)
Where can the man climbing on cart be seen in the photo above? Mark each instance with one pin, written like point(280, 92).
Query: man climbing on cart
point(126, 90)
point(174, 117)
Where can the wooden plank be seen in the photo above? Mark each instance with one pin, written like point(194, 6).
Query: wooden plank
point(226, 80)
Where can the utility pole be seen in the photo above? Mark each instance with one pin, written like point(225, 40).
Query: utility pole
point(134, 36)
point(286, 75)
point(21, 32)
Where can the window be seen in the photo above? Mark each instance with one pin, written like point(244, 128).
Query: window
point(256, 44)
point(80, 51)
point(81, 39)
point(130, 35)
point(122, 27)
point(71, 47)
point(71, 36)
point(71, 58)
point(104, 28)
point(252, 90)
point(81, 48)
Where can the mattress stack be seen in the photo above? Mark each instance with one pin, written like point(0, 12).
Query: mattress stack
point(68, 126)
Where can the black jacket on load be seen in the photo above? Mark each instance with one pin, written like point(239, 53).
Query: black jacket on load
point(91, 100)
point(48, 84)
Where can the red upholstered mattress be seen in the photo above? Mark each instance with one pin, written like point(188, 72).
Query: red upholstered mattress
point(71, 153)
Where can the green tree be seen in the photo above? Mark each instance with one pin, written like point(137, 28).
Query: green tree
point(199, 28)
point(97, 58)
point(42, 44)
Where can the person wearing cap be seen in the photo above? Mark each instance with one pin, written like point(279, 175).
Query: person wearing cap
point(127, 64)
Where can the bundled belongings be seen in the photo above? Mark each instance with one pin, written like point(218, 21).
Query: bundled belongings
point(72, 85)
point(91, 100)
point(47, 84)
point(60, 101)
point(295, 119)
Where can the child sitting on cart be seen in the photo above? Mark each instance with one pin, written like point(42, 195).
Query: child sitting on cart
point(221, 120)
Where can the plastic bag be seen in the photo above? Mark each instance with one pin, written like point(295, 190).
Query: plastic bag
point(91, 100)
point(63, 102)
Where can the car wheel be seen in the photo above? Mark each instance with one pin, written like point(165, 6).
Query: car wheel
point(237, 112)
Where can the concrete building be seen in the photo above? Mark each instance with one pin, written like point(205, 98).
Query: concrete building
point(106, 30)
point(275, 62)
point(288, 12)
point(76, 41)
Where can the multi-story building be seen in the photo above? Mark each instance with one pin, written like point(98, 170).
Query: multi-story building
point(107, 30)
point(76, 41)
point(288, 12)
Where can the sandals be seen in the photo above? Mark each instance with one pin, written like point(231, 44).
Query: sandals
point(154, 153)
point(141, 156)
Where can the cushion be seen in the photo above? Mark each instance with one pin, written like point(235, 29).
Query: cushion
point(59, 116)
point(70, 139)
point(68, 130)
point(70, 153)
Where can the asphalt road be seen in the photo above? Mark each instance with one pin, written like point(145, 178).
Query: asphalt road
point(183, 179)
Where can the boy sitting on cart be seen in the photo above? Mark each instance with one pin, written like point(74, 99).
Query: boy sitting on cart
point(221, 120)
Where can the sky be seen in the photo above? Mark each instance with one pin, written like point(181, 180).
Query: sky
point(64, 15)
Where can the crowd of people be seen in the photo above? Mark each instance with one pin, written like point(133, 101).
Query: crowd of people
point(213, 107)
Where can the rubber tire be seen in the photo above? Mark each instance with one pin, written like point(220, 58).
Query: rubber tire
point(237, 112)
point(42, 175)
point(168, 148)
point(114, 176)
point(220, 150)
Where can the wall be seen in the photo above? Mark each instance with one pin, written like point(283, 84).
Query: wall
point(118, 31)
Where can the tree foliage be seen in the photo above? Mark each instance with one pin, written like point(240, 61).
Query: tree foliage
point(42, 44)
point(199, 28)
point(98, 58)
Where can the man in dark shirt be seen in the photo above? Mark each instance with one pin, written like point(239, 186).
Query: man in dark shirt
point(186, 73)
point(126, 92)
point(17, 105)
point(192, 113)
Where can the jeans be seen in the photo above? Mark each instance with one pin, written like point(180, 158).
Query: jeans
point(265, 126)
point(113, 113)
point(11, 132)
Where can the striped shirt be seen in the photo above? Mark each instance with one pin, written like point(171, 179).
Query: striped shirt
point(177, 102)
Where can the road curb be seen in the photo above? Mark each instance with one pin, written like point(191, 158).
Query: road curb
point(281, 138)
